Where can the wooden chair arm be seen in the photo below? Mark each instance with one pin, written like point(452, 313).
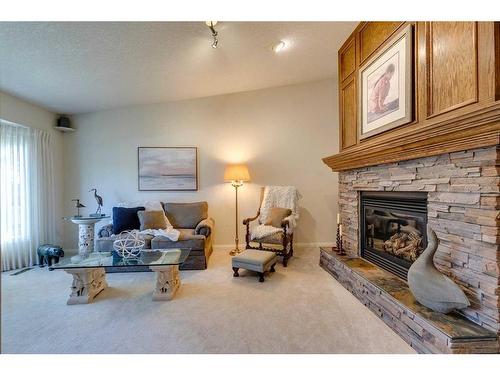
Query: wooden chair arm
point(285, 223)
point(249, 219)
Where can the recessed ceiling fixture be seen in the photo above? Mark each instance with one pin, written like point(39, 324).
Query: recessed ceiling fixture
point(211, 26)
point(280, 46)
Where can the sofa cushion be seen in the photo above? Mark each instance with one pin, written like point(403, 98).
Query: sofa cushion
point(106, 243)
point(125, 219)
point(186, 233)
point(153, 220)
point(276, 238)
point(186, 215)
point(186, 240)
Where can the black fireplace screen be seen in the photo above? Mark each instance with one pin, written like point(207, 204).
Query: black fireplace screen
point(393, 229)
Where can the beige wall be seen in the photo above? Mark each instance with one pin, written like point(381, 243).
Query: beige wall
point(281, 133)
point(21, 112)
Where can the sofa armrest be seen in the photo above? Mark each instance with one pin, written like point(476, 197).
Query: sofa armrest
point(105, 231)
point(205, 227)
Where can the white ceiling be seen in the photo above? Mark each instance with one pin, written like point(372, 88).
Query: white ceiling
point(88, 66)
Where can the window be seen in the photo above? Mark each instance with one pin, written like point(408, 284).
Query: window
point(26, 194)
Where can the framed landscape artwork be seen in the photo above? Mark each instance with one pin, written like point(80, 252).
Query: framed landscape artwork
point(168, 168)
point(386, 87)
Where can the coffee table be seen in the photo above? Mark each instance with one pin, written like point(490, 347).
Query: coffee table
point(89, 277)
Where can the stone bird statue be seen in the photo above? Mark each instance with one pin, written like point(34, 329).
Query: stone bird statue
point(98, 199)
point(78, 205)
point(429, 286)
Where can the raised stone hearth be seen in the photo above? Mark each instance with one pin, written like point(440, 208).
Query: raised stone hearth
point(390, 298)
point(463, 204)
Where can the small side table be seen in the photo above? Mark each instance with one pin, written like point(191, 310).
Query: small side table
point(86, 230)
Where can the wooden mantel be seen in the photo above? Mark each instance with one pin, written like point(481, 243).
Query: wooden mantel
point(455, 107)
point(474, 130)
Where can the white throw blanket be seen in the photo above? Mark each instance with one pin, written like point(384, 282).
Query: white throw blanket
point(277, 196)
point(171, 233)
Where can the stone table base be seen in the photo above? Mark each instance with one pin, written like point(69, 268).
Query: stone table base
point(87, 283)
point(86, 229)
point(167, 282)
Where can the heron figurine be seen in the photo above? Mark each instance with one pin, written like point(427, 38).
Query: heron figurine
point(98, 199)
point(78, 205)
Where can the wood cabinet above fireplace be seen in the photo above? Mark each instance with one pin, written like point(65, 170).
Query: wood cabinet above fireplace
point(456, 92)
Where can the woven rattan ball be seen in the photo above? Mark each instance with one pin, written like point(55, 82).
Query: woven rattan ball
point(129, 245)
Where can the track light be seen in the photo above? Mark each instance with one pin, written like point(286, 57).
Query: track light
point(280, 46)
point(211, 26)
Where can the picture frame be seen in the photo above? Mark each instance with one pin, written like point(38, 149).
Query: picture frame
point(386, 86)
point(167, 168)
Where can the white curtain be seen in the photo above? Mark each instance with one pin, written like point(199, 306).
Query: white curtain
point(26, 194)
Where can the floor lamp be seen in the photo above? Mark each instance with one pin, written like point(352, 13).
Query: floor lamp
point(236, 174)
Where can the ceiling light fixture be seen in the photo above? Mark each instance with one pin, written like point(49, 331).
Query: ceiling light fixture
point(211, 26)
point(280, 46)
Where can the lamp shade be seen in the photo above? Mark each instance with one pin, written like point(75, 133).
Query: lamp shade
point(236, 172)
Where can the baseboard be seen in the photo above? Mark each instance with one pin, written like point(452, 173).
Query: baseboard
point(314, 244)
point(225, 247)
point(296, 245)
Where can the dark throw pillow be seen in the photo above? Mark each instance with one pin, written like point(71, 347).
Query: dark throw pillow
point(125, 219)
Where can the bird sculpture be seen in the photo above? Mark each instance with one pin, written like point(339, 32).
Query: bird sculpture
point(78, 205)
point(98, 199)
point(429, 286)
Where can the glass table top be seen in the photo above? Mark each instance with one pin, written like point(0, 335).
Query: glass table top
point(167, 257)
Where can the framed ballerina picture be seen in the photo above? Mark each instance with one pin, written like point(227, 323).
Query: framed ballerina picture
point(386, 86)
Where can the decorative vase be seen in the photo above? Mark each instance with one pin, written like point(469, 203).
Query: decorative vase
point(429, 286)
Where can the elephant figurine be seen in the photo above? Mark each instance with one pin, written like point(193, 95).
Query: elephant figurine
point(49, 254)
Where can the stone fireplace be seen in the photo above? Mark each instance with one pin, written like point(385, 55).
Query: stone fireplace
point(462, 199)
point(393, 229)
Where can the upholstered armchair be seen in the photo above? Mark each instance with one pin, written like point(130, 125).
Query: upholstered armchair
point(278, 239)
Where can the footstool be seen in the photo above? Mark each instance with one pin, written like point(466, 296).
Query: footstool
point(254, 260)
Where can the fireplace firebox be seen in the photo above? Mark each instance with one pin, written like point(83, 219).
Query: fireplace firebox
point(393, 229)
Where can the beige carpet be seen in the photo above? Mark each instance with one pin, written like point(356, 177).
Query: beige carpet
point(299, 309)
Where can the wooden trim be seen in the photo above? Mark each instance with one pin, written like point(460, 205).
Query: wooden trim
point(497, 60)
point(479, 128)
point(351, 43)
point(486, 61)
point(349, 82)
point(430, 73)
point(340, 100)
point(453, 126)
point(359, 30)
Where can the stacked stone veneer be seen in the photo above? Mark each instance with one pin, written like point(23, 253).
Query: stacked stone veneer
point(463, 209)
point(421, 332)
